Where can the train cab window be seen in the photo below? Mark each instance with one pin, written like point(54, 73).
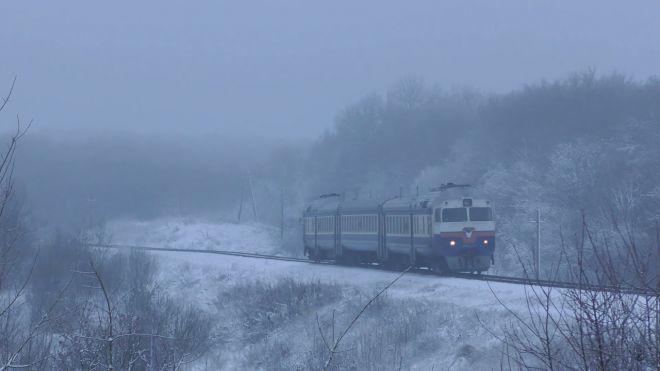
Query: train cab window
point(481, 214)
point(454, 214)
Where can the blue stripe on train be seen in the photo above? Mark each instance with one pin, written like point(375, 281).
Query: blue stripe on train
point(441, 245)
point(369, 242)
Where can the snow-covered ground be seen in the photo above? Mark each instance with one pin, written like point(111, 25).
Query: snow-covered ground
point(458, 314)
point(190, 233)
point(200, 277)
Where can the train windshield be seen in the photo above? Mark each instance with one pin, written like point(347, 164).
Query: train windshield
point(454, 214)
point(481, 214)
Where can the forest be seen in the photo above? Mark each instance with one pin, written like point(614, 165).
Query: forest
point(581, 150)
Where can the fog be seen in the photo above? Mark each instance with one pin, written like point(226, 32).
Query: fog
point(285, 69)
point(220, 127)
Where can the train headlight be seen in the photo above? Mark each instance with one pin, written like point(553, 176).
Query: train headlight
point(485, 242)
point(452, 243)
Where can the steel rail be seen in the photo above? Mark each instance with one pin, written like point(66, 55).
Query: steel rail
point(477, 277)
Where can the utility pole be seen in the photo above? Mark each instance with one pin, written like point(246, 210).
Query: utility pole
point(240, 207)
point(282, 216)
point(537, 260)
point(254, 204)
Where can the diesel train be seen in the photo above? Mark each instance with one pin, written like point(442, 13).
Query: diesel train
point(432, 230)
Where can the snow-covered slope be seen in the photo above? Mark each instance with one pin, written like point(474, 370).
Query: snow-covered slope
point(458, 316)
point(188, 233)
point(451, 320)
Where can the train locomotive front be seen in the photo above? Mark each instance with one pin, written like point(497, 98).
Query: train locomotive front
point(464, 234)
point(432, 230)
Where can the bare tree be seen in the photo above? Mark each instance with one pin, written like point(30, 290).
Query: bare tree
point(333, 348)
point(15, 270)
point(585, 329)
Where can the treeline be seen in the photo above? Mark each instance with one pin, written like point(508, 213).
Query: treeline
point(415, 126)
point(581, 146)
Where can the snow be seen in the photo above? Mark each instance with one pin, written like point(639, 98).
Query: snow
point(260, 238)
point(462, 292)
point(191, 233)
point(200, 279)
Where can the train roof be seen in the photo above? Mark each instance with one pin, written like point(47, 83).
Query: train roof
point(409, 202)
point(325, 203)
point(330, 203)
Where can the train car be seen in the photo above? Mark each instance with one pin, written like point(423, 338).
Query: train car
point(432, 230)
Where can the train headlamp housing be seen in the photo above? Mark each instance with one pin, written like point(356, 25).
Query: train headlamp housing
point(486, 242)
point(467, 202)
point(452, 243)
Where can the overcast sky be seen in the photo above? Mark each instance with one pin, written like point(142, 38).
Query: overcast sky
point(283, 69)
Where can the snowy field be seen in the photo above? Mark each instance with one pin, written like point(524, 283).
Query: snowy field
point(439, 323)
point(189, 233)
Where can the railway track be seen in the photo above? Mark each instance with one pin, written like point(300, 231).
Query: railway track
point(477, 277)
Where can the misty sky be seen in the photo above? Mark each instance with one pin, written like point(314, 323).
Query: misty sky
point(283, 69)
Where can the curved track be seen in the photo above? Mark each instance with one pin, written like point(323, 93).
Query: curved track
point(479, 277)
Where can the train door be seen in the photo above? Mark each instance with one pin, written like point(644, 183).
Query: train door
point(337, 232)
point(413, 251)
point(382, 248)
point(316, 242)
